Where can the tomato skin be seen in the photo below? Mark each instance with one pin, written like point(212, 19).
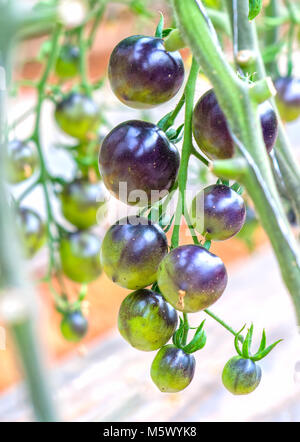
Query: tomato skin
point(139, 154)
point(68, 62)
point(74, 326)
point(146, 320)
point(31, 229)
point(191, 278)
point(78, 115)
point(288, 97)
point(224, 212)
point(131, 252)
point(81, 201)
point(21, 161)
point(211, 131)
point(143, 74)
point(79, 253)
point(172, 369)
point(241, 376)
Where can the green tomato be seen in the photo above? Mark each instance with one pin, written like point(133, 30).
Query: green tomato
point(21, 160)
point(78, 116)
point(172, 369)
point(31, 229)
point(146, 320)
point(81, 201)
point(74, 326)
point(68, 62)
point(241, 376)
point(79, 253)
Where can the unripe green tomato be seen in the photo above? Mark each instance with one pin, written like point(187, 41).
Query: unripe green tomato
point(78, 115)
point(21, 160)
point(31, 230)
point(81, 201)
point(79, 254)
point(68, 62)
point(288, 97)
point(241, 376)
point(146, 320)
point(74, 326)
point(131, 252)
point(172, 369)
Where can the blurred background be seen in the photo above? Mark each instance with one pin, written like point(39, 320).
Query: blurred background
point(102, 378)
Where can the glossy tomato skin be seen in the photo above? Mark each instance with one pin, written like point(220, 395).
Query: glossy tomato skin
point(139, 154)
point(241, 376)
point(81, 201)
point(21, 160)
point(172, 369)
point(143, 74)
point(31, 230)
point(211, 131)
point(131, 252)
point(288, 97)
point(78, 115)
point(191, 278)
point(68, 62)
point(146, 320)
point(224, 212)
point(79, 253)
point(74, 326)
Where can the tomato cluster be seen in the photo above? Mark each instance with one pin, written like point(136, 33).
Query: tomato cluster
point(135, 252)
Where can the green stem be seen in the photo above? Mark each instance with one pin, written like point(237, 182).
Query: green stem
point(272, 35)
point(241, 112)
point(220, 321)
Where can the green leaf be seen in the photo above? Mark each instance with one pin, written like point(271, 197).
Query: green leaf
point(263, 342)
point(160, 27)
point(198, 341)
point(166, 32)
point(247, 343)
point(265, 352)
point(164, 120)
point(236, 341)
point(177, 337)
point(255, 7)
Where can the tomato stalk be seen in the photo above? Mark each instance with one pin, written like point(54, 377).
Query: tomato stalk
point(17, 298)
point(241, 112)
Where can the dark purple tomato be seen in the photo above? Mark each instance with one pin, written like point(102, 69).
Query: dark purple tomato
point(78, 115)
point(143, 74)
point(211, 131)
point(31, 230)
point(172, 369)
point(288, 97)
point(146, 320)
point(140, 155)
point(191, 278)
point(82, 202)
point(21, 160)
point(74, 326)
point(131, 252)
point(218, 212)
point(80, 256)
point(241, 376)
point(68, 62)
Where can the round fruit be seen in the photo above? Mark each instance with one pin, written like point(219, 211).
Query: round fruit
point(241, 376)
point(288, 97)
point(80, 202)
point(21, 161)
point(31, 230)
point(68, 62)
point(131, 252)
point(143, 74)
point(74, 326)
point(172, 369)
point(78, 115)
point(79, 253)
point(146, 320)
point(140, 155)
point(191, 278)
point(211, 131)
point(223, 211)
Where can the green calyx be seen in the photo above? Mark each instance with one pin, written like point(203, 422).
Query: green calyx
point(197, 343)
point(245, 353)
